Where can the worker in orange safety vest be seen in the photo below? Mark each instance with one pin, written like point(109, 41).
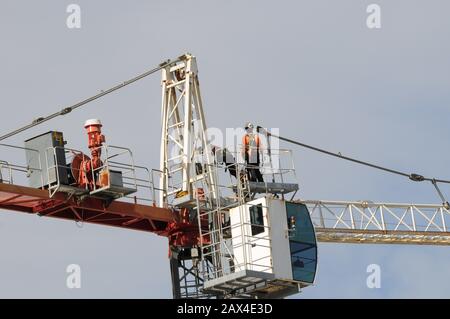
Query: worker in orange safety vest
point(252, 153)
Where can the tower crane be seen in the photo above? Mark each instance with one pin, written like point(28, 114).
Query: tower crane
point(228, 237)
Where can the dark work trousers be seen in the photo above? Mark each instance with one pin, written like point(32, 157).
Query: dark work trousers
point(254, 173)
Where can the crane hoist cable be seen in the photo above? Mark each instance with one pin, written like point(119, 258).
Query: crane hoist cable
point(69, 109)
point(412, 176)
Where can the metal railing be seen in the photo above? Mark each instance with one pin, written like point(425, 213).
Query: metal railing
point(134, 179)
point(228, 247)
point(277, 168)
point(4, 166)
point(9, 168)
point(113, 158)
point(55, 167)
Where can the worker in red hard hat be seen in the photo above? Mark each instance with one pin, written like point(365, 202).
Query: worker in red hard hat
point(252, 153)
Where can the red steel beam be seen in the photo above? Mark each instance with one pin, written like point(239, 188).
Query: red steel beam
point(90, 210)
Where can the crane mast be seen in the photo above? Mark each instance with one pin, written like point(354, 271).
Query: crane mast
point(184, 143)
point(228, 236)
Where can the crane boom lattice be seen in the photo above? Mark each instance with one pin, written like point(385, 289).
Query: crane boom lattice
point(380, 223)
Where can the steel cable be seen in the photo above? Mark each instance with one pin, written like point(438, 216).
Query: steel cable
point(412, 176)
point(69, 109)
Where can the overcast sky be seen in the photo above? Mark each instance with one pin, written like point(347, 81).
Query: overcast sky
point(311, 68)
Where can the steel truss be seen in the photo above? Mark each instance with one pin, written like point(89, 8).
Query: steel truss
point(183, 132)
point(187, 282)
point(380, 223)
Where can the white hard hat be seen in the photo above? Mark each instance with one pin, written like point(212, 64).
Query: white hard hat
point(248, 125)
point(92, 122)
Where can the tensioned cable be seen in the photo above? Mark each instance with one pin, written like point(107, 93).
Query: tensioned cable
point(69, 109)
point(414, 177)
point(66, 110)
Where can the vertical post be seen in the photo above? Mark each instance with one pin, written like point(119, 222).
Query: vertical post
point(163, 184)
point(175, 274)
point(444, 226)
point(412, 218)
point(383, 223)
point(207, 154)
point(188, 129)
point(322, 220)
point(351, 216)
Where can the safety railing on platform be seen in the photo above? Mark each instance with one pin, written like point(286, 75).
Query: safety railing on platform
point(227, 248)
point(115, 159)
point(157, 191)
point(117, 176)
point(12, 169)
point(61, 175)
point(231, 171)
point(5, 178)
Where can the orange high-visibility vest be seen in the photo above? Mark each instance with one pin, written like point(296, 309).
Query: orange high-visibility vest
point(251, 143)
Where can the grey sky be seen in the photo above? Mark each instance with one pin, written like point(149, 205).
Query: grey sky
point(311, 68)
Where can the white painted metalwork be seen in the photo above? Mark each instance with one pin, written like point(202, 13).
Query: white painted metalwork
point(232, 257)
point(380, 223)
point(184, 143)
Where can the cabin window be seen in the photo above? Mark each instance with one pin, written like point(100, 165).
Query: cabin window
point(302, 243)
point(257, 219)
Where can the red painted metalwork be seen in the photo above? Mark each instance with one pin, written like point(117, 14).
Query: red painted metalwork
point(177, 226)
point(161, 221)
point(183, 232)
point(95, 140)
point(82, 164)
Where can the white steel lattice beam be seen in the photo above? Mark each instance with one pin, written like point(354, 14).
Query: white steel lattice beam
point(380, 223)
point(183, 132)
